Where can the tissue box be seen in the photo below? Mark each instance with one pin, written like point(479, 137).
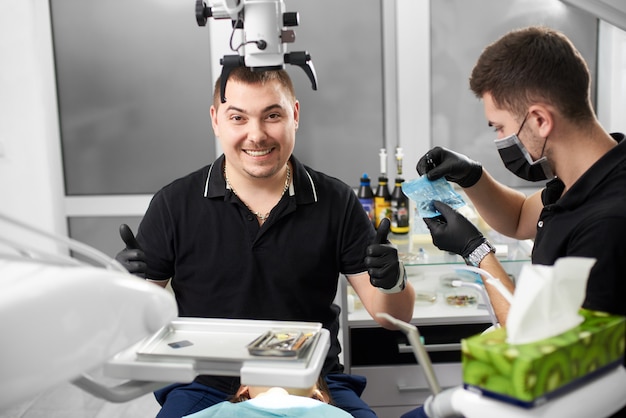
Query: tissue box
point(529, 374)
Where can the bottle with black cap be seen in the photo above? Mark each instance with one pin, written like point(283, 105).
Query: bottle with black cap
point(366, 197)
point(399, 201)
point(382, 197)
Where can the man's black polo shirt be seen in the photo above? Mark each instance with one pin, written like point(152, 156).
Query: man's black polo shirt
point(224, 265)
point(589, 220)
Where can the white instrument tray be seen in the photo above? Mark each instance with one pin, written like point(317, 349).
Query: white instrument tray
point(188, 347)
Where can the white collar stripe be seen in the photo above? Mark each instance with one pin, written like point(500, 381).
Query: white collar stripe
point(312, 185)
point(206, 186)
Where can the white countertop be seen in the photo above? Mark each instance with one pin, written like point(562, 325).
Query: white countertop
point(425, 280)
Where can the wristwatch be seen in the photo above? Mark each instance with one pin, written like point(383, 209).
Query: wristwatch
point(479, 253)
point(400, 284)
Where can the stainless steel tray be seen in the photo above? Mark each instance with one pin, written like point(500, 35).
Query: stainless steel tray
point(215, 339)
point(188, 347)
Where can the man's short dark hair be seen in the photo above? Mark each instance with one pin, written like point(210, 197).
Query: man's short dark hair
point(534, 64)
point(247, 76)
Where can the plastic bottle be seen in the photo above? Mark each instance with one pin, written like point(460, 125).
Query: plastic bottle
point(399, 209)
point(366, 197)
point(382, 200)
point(382, 197)
point(399, 201)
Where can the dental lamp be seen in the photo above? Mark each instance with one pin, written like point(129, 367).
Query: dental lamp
point(263, 25)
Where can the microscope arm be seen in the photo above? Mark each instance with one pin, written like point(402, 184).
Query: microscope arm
point(303, 60)
point(263, 24)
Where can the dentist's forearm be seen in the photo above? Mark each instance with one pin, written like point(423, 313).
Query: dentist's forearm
point(499, 303)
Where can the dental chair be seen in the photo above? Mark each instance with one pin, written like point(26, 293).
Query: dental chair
point(68, 309)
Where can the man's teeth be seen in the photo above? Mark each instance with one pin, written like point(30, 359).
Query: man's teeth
point(258, 153)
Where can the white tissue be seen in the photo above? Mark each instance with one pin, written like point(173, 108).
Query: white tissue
point(547, 300)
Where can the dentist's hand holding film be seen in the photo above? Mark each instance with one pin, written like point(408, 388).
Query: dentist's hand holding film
point(453, 232)
point(441, 162)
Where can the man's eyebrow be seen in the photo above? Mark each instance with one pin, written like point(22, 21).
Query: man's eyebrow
point(272, 107)
point(266, 109)
point(235, 109)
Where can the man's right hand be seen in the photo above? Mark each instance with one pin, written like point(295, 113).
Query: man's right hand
point(455, 167)
point(132, 257)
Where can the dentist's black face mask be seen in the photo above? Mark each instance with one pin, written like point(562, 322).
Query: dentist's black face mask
point(519, 162)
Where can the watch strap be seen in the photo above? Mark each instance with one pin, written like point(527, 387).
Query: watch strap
point(400, 284)
point(479, 254)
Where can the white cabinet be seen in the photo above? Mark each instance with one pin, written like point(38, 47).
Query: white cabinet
point(393, 390)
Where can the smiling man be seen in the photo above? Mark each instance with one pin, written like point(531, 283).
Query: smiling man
point(259, 235)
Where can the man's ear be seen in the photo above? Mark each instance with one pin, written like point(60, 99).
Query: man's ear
point(320, 396)
point(243, 392)
point(296, 113)
point(213, 111)
point(542, 117)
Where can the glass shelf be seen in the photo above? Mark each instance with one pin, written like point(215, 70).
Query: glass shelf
point(418, 250)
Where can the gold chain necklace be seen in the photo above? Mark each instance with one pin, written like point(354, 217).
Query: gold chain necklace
point(257, 213)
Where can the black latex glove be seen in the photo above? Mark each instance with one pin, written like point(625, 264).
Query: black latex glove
point(455, 167)
point(132, 257)
point(453, 232)
point(382, 261)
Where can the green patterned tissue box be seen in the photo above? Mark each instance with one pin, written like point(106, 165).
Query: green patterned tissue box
point(529, 374)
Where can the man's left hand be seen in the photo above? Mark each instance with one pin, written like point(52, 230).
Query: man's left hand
point(386, 271)
point(453, 232)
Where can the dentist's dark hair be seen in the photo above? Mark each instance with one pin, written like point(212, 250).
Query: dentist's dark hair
point(534, 65)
